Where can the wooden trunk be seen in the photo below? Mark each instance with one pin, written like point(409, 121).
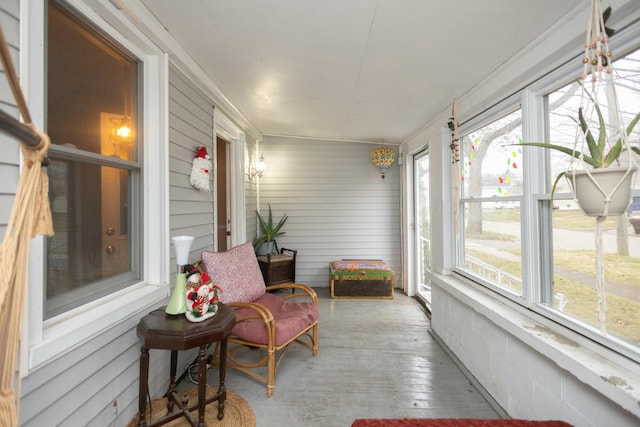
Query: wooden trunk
point(278, 268)
point(361, 278)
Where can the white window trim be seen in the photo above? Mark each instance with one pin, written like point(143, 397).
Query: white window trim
point(44, 341)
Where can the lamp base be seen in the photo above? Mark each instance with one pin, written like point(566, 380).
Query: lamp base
point(178, 302)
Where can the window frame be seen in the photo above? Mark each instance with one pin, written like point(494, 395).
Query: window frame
point(496, 112)
point(46, 340)
point(536, 238)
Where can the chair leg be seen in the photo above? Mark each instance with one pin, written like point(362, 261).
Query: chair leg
point(271, 372)
point(315, 340)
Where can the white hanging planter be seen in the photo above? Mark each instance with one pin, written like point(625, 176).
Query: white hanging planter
point(591, 189)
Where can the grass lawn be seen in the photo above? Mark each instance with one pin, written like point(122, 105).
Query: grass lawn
point(623, 319)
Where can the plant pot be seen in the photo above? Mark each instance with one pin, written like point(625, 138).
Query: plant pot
point(591, 199)
point(265, 248)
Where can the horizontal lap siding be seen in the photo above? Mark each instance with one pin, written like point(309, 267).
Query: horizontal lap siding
point(10, 147)
point(190, 126)
point(338, 204)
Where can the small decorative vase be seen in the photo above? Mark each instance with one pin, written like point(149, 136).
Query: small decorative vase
point(178, 302)
point(591, 199)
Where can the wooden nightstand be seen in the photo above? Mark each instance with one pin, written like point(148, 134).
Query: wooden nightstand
point(278, 268)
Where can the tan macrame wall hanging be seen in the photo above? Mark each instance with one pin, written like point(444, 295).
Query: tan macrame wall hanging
point(30, 216)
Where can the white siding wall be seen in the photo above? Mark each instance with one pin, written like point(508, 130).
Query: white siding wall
point(190, 126)
point(10, 147)
point(338, 204)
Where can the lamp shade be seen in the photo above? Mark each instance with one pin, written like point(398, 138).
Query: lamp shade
point(183, 245)
point(383, 158)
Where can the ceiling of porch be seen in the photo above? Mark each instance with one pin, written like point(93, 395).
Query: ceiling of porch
point(361, 70)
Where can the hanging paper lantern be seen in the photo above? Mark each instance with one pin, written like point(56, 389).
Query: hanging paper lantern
point(383, 158)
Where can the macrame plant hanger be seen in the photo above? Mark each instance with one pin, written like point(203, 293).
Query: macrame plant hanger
point(30, 216)
point(598, 83)
point(455, 161)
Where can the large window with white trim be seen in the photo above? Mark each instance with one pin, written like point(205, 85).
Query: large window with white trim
point(95, 168)
point(573, 252)
point(491, 197)
point(537, 248)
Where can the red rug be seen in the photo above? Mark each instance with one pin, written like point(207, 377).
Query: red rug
point(454, 422)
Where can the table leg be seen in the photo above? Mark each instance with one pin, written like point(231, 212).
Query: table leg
point(172, 380)
point(142, 389)
point(222, 393)
point(202, 384)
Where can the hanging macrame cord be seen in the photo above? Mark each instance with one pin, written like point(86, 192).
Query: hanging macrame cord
point(598, 74)
point(455, 160)
point(30, 216)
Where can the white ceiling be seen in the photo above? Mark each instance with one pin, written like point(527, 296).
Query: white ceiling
point(363, 70)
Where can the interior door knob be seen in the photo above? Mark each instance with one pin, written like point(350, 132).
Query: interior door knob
point(110, 249)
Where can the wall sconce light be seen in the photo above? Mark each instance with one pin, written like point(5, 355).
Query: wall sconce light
point(121, 133)
point(124, 130)
point(258, 169)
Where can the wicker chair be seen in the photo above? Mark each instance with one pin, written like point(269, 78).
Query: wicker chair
point(266, 323)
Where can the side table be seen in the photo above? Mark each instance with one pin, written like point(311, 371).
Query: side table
point(160, 330)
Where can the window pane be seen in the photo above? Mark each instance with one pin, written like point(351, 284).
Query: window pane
point(492, 188)
point(492, 161)
point(563, 116)
point(492, 247)
point(88, 78)
point(573, 255)
point(93, 175)
point(91, 216)
point(574, 273)
point(423, 229)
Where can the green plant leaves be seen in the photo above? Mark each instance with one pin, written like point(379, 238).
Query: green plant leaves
point(269, 232)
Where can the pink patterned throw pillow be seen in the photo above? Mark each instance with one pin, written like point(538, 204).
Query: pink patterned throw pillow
point(237, 272)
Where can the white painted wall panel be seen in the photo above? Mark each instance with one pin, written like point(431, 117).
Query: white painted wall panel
point(338, 204)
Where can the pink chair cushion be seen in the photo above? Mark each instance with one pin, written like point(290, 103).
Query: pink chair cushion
point(290, 318)
point(237, 273)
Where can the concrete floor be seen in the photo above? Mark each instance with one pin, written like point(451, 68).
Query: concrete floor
point(376, 359)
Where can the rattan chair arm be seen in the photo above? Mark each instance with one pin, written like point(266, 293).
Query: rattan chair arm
point(262, 311)
point(307, 291)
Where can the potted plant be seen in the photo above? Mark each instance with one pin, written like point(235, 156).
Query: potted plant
point(266, 241)
point(606, 178)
